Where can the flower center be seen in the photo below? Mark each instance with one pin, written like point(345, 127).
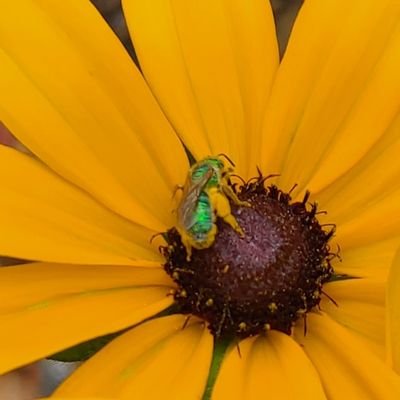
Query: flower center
point(265, 279)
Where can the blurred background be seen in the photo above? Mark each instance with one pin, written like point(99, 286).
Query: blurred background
point(284, 10)
point(42, 378)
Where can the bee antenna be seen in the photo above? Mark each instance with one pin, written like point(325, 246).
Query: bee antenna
point(227, 158)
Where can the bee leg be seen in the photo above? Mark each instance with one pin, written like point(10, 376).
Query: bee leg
point(233, 196)
point(222, 208)
point(188, 247)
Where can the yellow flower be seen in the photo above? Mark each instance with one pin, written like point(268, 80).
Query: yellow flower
point(393, 314)
point(108, 158)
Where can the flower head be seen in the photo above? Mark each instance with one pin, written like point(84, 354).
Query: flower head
point(110, 145)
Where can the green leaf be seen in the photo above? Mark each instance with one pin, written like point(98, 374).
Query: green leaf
point(341, 277)
point(85, 350)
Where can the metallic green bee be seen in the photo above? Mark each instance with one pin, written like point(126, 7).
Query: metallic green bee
point(205, 196)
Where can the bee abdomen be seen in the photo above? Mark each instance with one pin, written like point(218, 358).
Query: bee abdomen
point(203, 217)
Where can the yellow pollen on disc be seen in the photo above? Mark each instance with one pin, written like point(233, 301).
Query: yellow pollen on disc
point(272, 307)
point(209, 302)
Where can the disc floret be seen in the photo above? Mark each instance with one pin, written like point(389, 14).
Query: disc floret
point(266, 279)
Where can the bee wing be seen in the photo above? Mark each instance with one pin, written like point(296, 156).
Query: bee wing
point(187, 206)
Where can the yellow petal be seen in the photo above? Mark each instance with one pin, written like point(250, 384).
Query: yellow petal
point(45, 218)
point(271, 366)
point(210, 64)
point(337, 57)
point(78, 398)
point(370, 181)
point(377, 222)
point(364, 203)
point(156, 360)
point(344, 364)
point(37, 283)
point(374, 112)
point(52, 308)
point(393, 315)
point(361, 308)
point(372, 260)
point(75, 98)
